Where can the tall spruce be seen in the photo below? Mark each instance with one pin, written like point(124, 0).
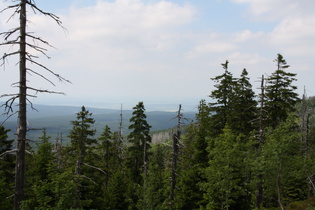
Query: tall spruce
point(280, 92)
point(222, 96)
point(243, 108)
point(81, 136)
point(139, 139)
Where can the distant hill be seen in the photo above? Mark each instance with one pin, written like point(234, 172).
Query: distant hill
point(57, 120)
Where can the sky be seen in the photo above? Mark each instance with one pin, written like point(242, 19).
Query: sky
point(161, 52)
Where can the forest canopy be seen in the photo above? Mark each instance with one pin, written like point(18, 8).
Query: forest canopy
point(243, 151)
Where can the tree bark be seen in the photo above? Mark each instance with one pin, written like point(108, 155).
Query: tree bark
point(21, 129)
point(259, 186)
point(176, 137)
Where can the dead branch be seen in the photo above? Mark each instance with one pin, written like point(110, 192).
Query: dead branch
point(8, 104)
point(42, 76)
point(10, 196)
point(54, 17)
point(8, 117)
point(61, 79)
point(43, 91)
point(6, 152)
point(85, 177)
point(40, 39)
point(28, 152)
point(95, 168)
point(32, 107)
point(7, 34)
point(5, 55)
point(10, 7)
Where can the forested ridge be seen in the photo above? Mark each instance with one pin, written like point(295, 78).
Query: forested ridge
point(243, 151)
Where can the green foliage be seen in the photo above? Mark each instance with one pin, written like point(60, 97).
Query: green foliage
point(222, 95)
point(81, 139)
point(282, 165)
point(226, 185)
point(308, 204)
point(6, 170)
point(139, 139)
point(220, 165)
point(155, 188)
point(280, 93)
point(243, 106)
point(81, 131)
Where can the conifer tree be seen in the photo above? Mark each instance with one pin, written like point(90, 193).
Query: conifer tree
point(280, 92)
point(220, 109)
point(140, 140)
point(137, 155)
point(39, 172)
point(243, 107)
point(226, 175)
point(193, 160)
point(81, 136)
point(281, 162)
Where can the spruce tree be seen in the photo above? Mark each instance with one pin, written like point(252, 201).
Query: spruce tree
point(137, 155)
point(282, 162)
point(226, 177)
point(81, 136)
point(243, 108)
point(139, 139)
point(222, 96)
point(39, 190)
point(281, 94)
point(193, 160)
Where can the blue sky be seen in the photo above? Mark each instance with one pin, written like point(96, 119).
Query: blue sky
point(164, 52)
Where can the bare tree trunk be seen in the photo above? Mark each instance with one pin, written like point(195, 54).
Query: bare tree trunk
point(259, 186)
point(176, 138)
point(279, 192)
point(24, 56)
point(21, 130)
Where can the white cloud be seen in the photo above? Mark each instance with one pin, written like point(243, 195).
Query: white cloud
point(132, 48)
point(272, 10)
point(120, 46)
point(295, 35)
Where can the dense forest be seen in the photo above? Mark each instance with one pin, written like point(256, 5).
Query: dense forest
point(243, 151)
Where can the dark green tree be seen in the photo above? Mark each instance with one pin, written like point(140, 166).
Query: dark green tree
point(280, 92)
point(39, 193)
point(282, 162)
point(139, 139)
point(156, 190)
point(243, 108)
point(227, 176)
point(6, 170)
point(193, 160)
point(137, 155)
point(113, 185)
point(81, 136)
point(221, 108)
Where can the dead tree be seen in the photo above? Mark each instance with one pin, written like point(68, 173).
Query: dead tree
point(259, 189)
point(305, 113)
point(26, 41)
point(176, 139)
